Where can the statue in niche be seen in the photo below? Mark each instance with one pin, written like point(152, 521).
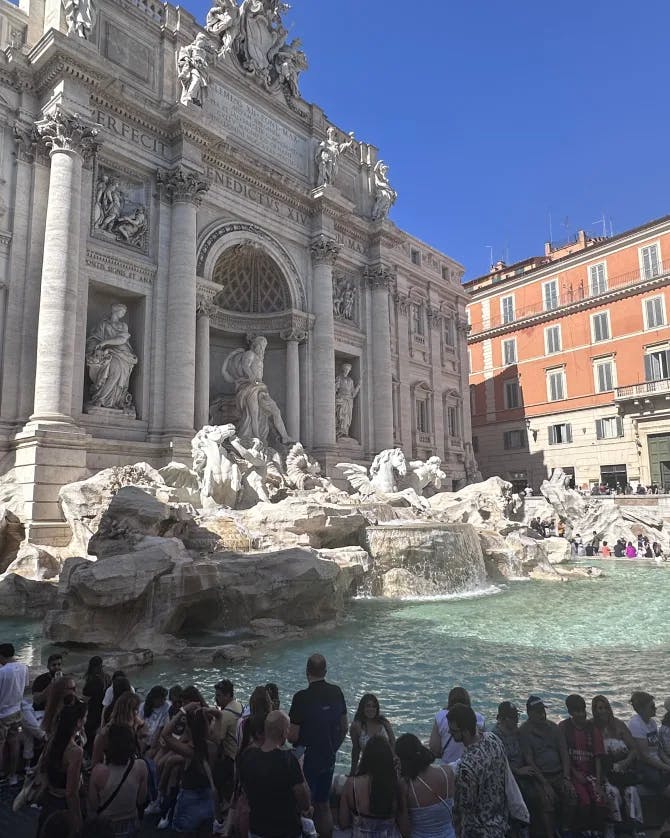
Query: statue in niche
point(193, 70)
point(223, 20)
point(345, 393)
point(385, 194)
point(110, 361)
point(80, 16)
point(328, 156)
point(257, 408)
point(424, 476)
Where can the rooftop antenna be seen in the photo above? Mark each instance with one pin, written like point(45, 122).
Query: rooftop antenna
point(566, 224)
point(551, 230)
point(611, 227)
point(602, 220)
point(490, 250)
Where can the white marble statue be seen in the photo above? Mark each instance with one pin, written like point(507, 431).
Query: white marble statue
point(328, 156)
point(289, 61)
point(344, 298)
point(257, 408)
point(302, 472)
point(385, 194)
point(80, 16)
point(422, 476)
point(110, 361)
point(382, 482)
point(132, 228)
point(108, 203)
point(223, 20)
point(261, 469)
point(219, 475)
point(193, 70)
point(346, 391)
point(259, 21)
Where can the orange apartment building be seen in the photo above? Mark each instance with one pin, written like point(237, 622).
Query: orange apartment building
point(570, 362)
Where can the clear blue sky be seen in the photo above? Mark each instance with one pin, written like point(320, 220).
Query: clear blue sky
point(494, 114)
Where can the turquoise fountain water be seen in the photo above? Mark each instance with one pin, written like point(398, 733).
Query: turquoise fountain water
point(606, 636)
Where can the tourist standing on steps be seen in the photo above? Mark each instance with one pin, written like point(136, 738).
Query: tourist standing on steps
point(480, 800)
point(14, 680)
point(429, 789)
point(274, 783)
point(442, 742)
point(319, 723)
point(368, 722)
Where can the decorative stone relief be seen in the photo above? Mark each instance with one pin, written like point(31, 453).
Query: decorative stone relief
point(193, 70)
point(180, 184)
point(258, 410)
point(346, 391)
point(80, 16)
point(63, 131)
point(119, 209)
point(385, 194)
point(110, 361)
point(345, 299)
point(254, 34)
point(328, 156)
point(324, 250)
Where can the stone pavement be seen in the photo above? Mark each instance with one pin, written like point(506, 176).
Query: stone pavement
point(24, 824)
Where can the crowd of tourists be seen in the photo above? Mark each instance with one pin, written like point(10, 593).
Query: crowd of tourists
point(97, 760)
point(592, 546)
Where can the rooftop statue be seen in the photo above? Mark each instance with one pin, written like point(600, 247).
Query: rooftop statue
point(385, 194)
point(328, 156)
point(80, 16)
point(223, 20)
point(194, 70)
point(258, 410)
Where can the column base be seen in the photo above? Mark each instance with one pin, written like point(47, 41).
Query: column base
point(46, 459)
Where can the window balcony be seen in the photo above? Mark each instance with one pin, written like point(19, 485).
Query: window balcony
point(636, 392)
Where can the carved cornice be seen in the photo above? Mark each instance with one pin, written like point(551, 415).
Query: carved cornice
point(63, 131)
point(297, 335)
point(262, 324)
point(180, 184)
point(62, 64)
point(324, 250)
point(379, 276)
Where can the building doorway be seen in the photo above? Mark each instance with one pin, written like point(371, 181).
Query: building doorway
point(659, 460)
point(610, 476)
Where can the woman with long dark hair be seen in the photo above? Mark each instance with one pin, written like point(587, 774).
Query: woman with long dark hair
point(194, 808)
point(120, 685)
point(62, 689)
point(154, 712)
point(373, 802)
point(429, 789)
point(62, 762)
point(124, 712)
point(95, 685)
point(368, 722)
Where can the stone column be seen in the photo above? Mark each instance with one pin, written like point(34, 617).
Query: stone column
point(379, 279)
point(69, 139)
point(324, 253)
point(203, 313)
point(184, 189)
point(293, 338)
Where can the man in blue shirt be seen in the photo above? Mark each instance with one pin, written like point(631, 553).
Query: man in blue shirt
point(319, 723)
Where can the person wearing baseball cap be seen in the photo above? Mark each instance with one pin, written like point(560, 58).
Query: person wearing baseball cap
point(544, 750)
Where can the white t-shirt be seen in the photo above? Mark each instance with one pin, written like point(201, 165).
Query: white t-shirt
point(644, 730)
point(14, 680)
point(452, 751)
point(108, 697)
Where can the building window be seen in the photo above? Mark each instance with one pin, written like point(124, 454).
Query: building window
point(654, 312)
point(597, 279)
point(452, 421)
point(603, 373)
point(550, 294)
point(614, 476)
point(600, 326)
point(509, 352)
point(418, 320)
point(512, 393)
point(449, 331)
point(475, 445)
point(507, 309)
point(657, 365)
point(514, 440)
point(609, 428)
point(555, 385)
point(415, 256)
point(560, 434)
point(650, 261)
point(422, 416)
point(552, 339)
point(445, 273)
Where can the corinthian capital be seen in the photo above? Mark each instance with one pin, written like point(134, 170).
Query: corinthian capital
point(324, 250)
point(180, 184)
point(63, 131)
point(378, 276)
point(204, 308)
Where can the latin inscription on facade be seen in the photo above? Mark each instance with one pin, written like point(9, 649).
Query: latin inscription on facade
point(256, 129)
point(129, 132)
point(256, 196)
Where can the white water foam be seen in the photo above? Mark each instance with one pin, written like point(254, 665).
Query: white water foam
point(475, 594)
